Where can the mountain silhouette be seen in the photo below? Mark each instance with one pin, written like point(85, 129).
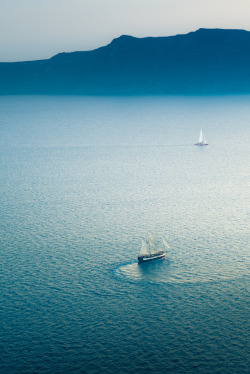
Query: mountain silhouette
point(207, 61)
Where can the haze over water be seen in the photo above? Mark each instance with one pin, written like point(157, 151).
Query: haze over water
point(81, 180)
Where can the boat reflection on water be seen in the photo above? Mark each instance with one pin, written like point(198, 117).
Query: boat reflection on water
point(151, 269)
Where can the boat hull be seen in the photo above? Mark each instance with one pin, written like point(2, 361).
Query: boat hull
point(143, 259)
point(201, 144)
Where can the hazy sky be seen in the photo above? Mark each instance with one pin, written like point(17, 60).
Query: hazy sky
point(36, 29)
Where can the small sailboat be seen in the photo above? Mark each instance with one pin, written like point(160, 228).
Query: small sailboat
point(202, 140)
point(151, 250)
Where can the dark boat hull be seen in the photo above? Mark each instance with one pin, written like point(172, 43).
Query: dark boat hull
point(143, 259)
point(201, 144)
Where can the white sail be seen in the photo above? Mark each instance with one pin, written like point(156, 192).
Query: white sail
point(202, 140)
point(165, 243)
point(150, 237)
point(152, 245)
point(201, 137)
point(145, 250)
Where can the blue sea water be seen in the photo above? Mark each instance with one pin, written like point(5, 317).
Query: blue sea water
point(81, 180)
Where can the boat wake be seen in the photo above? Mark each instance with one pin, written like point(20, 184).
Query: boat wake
point(169, 272)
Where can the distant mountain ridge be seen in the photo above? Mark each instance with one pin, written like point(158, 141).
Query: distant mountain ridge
point(207, 61)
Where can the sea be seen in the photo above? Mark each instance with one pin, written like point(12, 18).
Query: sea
point(82, 179)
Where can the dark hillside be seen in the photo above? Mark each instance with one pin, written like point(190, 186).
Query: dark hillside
point(202, 62)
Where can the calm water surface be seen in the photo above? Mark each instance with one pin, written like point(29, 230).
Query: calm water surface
point(81, 179)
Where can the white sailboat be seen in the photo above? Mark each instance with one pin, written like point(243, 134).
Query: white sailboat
point(202, 140)
point(150, 250)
